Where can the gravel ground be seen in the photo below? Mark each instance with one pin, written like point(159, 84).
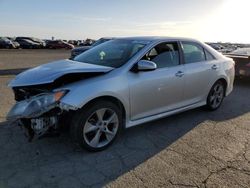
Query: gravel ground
point(6, 96)
point(196, 148)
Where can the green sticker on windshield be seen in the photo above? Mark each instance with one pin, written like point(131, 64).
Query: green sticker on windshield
point(102, 55)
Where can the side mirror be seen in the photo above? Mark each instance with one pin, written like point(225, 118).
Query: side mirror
point(145, 65)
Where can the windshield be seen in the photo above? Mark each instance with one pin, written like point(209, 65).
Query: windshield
point(113, 53)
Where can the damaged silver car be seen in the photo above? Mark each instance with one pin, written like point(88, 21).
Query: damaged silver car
point(119, 84)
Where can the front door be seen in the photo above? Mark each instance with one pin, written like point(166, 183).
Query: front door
point(160, 90)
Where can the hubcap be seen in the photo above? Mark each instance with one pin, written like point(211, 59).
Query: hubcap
point(217, 96)
point(101, 127)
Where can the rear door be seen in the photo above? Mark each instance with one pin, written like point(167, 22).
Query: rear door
point(200, 70)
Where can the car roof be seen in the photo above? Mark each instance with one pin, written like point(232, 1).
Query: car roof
point(157, 38)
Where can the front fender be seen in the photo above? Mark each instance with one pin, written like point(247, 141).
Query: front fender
point(81, 92)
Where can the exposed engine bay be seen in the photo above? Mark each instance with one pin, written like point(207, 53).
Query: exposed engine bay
point(35, 128)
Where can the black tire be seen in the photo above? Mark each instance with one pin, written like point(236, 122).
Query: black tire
point(83, 115)
point(214, 100)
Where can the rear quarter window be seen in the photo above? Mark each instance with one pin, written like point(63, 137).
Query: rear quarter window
point(193, 52)
point(209, 56)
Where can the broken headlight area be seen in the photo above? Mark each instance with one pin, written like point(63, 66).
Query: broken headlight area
point(38, 114)
point(35, 106)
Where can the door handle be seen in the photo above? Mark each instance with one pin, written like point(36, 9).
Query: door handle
point(179, 74)
point(214, 67)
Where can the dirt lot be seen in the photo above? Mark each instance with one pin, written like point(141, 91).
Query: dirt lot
point(21, 58)
point(192, 149)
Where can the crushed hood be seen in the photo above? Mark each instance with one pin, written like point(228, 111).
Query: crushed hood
point(48, 73)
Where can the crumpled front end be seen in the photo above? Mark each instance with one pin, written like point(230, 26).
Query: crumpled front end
point(39, 107)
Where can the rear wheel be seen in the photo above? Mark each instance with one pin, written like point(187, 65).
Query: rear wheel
point(216, 96)
point(96, 126)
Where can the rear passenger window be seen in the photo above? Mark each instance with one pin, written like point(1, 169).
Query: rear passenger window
point(164, 55)
point(209, 56)
point(193, 52)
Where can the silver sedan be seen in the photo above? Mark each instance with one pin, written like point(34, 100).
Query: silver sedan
point(119, 84)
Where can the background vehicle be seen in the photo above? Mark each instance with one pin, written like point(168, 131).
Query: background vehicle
point(219, 47)
point(75, 42)
point(40, 42)
point(27, 44)
point(71, 42)
point(241, 57)
point(241, 51)
point(7, 43)
point(59, 44)
point(16, 44)
point(88, 42)
point(79, 50)
point(121, 83)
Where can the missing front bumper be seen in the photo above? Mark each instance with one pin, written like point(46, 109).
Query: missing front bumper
point(39, 127)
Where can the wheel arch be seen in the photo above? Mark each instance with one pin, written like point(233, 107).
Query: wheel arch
point(112, 99)
point(225, 84)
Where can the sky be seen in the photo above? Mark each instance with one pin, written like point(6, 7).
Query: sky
point(206, 20)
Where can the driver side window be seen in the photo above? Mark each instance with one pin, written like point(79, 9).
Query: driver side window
point(164, 55)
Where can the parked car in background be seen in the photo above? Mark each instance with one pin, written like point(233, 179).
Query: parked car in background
point(41, 43)
point(71, 41)
point(27, 44)
point(79, 42)
point(7, 43)
point(12, 39)
point(241, 51)
point(46, 42)
point(219, 47)
point(119, 84)
point(59, 44)
point(223, 47)
point(82, 43)
point(16, 44)
point(74, 42)
point(241, 57)
point(87, 42)
point(79, 50)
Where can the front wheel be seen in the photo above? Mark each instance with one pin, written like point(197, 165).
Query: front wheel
point(96, 126)
point(216, 96)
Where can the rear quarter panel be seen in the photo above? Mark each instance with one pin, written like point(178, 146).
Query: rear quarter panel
point(229, 69)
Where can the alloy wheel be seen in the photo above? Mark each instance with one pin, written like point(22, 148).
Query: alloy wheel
point(217, 96)
point(101, 127)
